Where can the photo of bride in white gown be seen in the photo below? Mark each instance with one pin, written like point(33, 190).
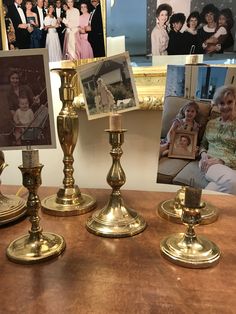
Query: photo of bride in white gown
point(52, 39)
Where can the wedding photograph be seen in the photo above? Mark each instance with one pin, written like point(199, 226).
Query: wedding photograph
point(108, 86)
point(70, 30)
point(26, 103)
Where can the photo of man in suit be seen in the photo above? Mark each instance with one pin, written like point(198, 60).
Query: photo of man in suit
point(59, 14)
point(41, 13)
point(22, 30)
point(96, 35)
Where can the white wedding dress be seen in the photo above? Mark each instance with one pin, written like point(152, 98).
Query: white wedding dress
point(52, 40)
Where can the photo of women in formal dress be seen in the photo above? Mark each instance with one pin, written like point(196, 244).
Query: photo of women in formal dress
point(77, 25)
point(210, 31)
point(150, 28)
point(108, 86)
point(26, 106)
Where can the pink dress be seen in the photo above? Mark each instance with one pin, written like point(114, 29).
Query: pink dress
point(86, 51)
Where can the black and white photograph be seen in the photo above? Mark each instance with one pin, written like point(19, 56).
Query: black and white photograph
point(26, 102)
point(108, 86)
point(70, 30)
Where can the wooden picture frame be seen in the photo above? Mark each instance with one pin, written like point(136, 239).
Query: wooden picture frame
point(183, 145)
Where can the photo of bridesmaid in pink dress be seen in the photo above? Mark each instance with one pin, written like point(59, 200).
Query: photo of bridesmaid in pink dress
point(84, 27)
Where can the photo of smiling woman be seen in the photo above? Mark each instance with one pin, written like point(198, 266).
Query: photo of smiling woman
point(218, 146)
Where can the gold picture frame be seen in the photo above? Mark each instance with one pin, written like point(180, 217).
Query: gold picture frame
point(183, 145)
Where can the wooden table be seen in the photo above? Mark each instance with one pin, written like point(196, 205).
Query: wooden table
point(128, 275)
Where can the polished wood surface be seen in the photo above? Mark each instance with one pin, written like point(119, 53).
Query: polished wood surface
point(128, 275)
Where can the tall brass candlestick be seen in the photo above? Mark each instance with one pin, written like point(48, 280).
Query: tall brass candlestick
point(68, 201)
point(187, 249)
point(37, 246)
point(12, 207)
point(115, 219)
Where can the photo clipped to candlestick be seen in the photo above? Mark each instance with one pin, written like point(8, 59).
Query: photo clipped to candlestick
point(108, 86)
point(26, 103)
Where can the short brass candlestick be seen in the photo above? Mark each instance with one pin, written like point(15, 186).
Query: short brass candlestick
point(37, 246)
point(12, 207)
point(172, 209)
point(68, 201)
point(115, 219)
point(187, 249)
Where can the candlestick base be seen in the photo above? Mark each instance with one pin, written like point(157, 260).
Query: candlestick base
point(115, 220)
point(172, 209)
point(197, 253)
point(26, 251)
point(68, 202)
point(12, 208)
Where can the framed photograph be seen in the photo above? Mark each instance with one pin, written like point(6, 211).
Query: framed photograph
point(26, 103)
point(71, 30)
point(107, 86)
point(183, 145)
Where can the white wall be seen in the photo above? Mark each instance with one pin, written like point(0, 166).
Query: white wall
point(92, 158)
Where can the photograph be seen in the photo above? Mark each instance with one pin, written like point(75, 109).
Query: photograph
point(108, 86)
point(183, 145)
point(26, 102)
point(173, 27)
point(208, 108)
point(70, 30)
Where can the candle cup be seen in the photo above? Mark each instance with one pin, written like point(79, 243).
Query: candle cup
point(171, 209)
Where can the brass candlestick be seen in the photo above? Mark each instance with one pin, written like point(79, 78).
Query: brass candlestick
point(12, 207)
point(68, 201)
point(187, 249)
point(115, 219)
point(37, 246)
point(172, 209)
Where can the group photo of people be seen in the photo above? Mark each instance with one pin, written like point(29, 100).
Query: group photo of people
point(69, 30)
point(200, 32)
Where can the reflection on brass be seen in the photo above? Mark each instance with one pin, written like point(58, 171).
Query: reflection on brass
point(36, 246)
point(11, 207)
point(187, 249)
point(172, 209)
point(115, 219)
point(68, 201)
point(3, 32)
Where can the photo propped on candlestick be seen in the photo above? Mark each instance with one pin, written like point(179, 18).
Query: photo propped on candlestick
point(108, 86)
